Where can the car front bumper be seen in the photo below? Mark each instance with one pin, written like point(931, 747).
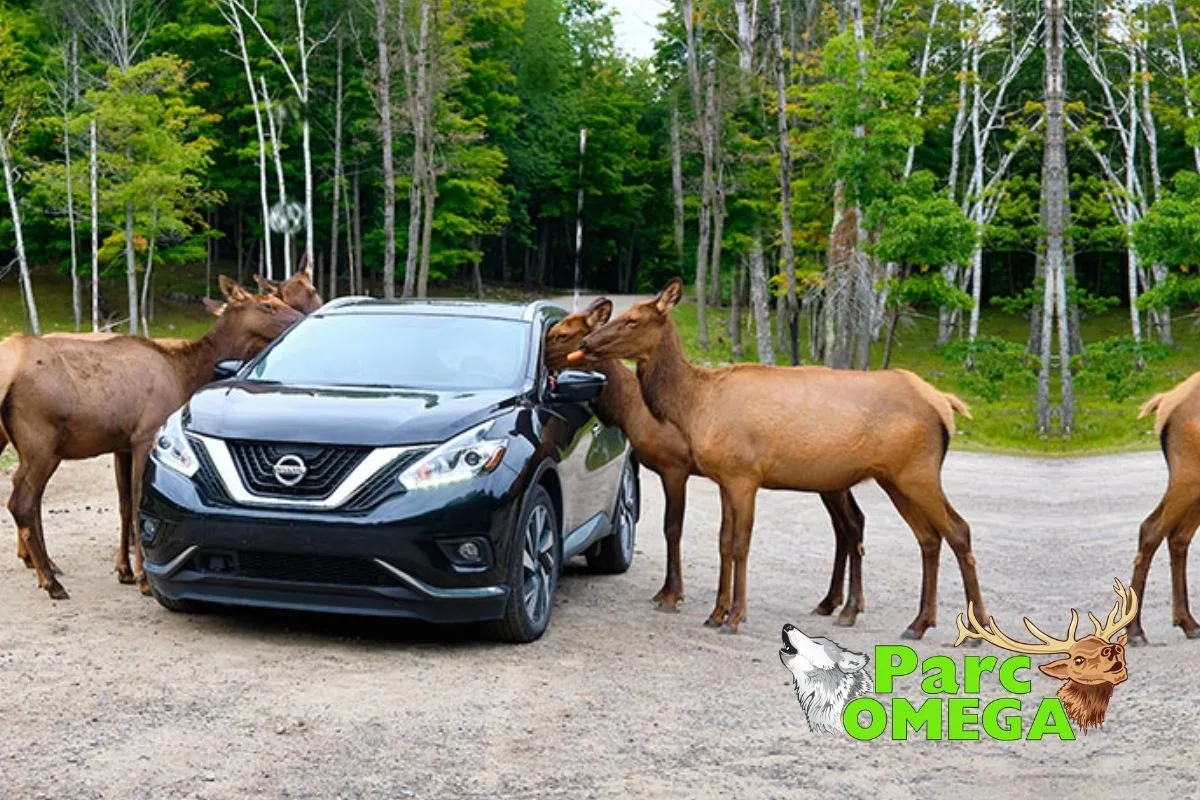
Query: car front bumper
point(398, 559)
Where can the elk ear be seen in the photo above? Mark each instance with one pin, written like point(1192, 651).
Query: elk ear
point(670, 296)
point(214, 308)
point(232, 290)
point(270, 287)
point(598, 313)
point(852, 662)
point(1122, 640)
point(305, 267)
point(1057, 669)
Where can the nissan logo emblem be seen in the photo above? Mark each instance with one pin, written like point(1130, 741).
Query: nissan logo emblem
point(290, 470)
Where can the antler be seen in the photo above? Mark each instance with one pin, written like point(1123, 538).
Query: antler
point(1123, 612)
point(993, 635)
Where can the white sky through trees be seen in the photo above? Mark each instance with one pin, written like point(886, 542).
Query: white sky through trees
point(635, 24)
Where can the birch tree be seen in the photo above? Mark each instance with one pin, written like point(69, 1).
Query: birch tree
point(703, 105)
point(335, 227)
point(787, 254)
point(384, 93)
point(10, 129)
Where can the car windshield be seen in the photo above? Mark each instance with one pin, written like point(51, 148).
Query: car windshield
point(421, 351)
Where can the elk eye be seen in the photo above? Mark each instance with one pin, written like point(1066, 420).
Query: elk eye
point(1078, 660)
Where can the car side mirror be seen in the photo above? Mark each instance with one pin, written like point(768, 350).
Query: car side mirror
point(227, 368)
point(577, 386)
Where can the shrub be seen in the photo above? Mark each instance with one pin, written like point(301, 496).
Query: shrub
point(993, 366)
point(1118, 365)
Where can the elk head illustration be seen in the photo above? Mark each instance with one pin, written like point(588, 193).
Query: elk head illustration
point(1094, 664)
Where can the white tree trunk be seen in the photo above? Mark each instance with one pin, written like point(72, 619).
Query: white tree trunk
point(306, 138)
point(384, 64)
point(337, 175)
point(677, 185)
point(702, 112)
point(147, 278)
point(287, 237)
point(131, 269)
point(1185, 73)
point(26, 287)
point(759, 302)
point(427, 40)
point(787, 250)
point(94, 174)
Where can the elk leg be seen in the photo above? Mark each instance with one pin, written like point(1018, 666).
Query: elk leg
point(138, 454)
point(25, 504)
point(742, 525)
point(958, 535)
point(1177, 546)
point(856, 604)
point(1162, 520)
point(834, 503)
point(721, 610)
point(931, 547)
point(675, 489)
point(123, 464)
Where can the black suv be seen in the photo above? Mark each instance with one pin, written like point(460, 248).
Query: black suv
point(407, 458)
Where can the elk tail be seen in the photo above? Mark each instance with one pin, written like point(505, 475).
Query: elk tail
point(1163, 405)
point(11, 350)
point(1151, 405)
point(944, 403)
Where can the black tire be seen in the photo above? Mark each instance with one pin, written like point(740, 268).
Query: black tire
point(613, 555)
point(178, 606)
point(533, 581)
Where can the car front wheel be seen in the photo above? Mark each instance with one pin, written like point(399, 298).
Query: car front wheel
point(533, 572)
point(614, 553)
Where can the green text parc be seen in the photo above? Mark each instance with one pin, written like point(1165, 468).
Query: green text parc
point(949, 712)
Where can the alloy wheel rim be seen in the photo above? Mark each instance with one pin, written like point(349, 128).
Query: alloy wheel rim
point(537, 565)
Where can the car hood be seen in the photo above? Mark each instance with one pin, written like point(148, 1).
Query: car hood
point(339, 415)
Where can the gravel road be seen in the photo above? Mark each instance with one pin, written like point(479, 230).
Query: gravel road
point(107, 695)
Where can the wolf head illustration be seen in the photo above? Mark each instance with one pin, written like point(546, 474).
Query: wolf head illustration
point(826, 677)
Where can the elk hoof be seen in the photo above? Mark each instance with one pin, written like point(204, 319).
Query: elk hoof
point(124, 575)
point(666, 607)
point(911, 634)
point(54, 569)
point(1137, 639)
point(825, 608)
point(143, 585)
point(715, 621)
point(846, 619)
point(57, 592)
point(1194, 633)
point(973, 643)
point(730, 629)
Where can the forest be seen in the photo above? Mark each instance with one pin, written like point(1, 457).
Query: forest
point(1015, 181)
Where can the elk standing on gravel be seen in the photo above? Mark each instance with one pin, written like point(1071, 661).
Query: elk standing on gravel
point(1094, 664)
point(65, 398)
point(1177, 423)
point(297, 291)
point(661, 447)
point(802, 428)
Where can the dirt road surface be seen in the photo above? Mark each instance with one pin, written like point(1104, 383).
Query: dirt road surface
point(106, 695)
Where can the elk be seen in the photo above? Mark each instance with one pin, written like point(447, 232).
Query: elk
point(811, 429)
point(297, 291)
point(66, 398)
point(1094, 664)
point(1177, 424)
point(660, 446)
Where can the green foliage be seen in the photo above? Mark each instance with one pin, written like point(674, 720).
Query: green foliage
point(1169, 234)
point(919, 226)
point(993, 367)
point(1117, 365)
point(1033, 296)
point(927, 288)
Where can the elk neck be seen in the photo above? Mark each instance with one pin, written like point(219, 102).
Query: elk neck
point(668, 380)
point(194, 363)
point(622, 397)
point(1085, 704)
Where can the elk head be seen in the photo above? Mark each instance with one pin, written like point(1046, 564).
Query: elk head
point(636, 333)
point(246, 322)
point(297, 291)
point(1093, 664)
point(565, 335)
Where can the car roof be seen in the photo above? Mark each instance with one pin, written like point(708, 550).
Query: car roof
point(524, 312)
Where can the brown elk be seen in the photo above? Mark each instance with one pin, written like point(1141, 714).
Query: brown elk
point(66, 398)
point(1094, 664)
point(1177, 424)
point(297, 291)
point(802, 428)
point(661, 447)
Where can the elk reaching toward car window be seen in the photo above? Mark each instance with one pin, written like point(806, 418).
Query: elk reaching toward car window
point(810, 429)
point(1093, 665)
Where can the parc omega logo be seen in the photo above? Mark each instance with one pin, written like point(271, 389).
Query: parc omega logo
point(837, 693)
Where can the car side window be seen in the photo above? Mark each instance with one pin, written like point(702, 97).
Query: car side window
point(545, 379)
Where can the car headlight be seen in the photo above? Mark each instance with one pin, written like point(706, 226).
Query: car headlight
point(464, 457)
point(172, 448)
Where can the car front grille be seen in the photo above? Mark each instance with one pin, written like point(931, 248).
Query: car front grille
point(332, 570)
point(208, 480)
point(383, 484)
point(326, 467)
